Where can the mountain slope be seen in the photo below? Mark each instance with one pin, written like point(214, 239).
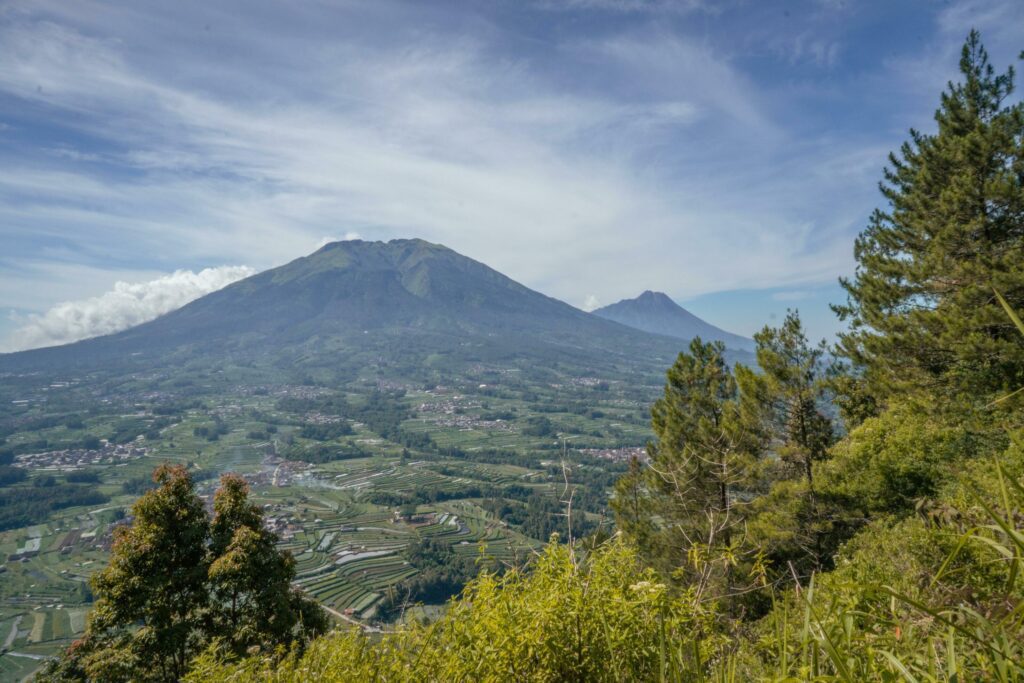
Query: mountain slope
point(656, 313)
point(403, 303)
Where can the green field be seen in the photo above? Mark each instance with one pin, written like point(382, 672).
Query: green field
point(455, 453)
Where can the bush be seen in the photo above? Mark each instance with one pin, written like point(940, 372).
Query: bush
point(941, 592)
point(599, 618)
point(891, 461)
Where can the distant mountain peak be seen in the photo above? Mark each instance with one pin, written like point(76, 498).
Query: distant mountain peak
point(656, 312)
point(652, 298)
point(405, 303)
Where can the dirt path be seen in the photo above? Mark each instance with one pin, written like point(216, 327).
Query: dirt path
point(13, 634)
point(365, 627)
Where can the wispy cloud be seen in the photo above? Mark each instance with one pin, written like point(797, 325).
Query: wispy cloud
point(127, 305)
point(324, 241)
point(635, 153)
point(792, 295)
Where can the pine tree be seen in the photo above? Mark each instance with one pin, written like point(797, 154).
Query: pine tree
point(922, 312)
point(794, 521)
point(699, 462)
point(632, 504)
point(791, 395)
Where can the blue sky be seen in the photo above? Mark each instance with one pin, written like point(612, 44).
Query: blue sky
point(726, 153)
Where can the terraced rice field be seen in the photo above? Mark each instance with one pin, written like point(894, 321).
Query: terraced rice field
point(358, 584)
point(13, 668)
point(36, 635)
point(349, 560)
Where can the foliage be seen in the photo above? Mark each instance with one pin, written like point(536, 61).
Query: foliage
point(252, 602)
point(539, 426)
point(891, 462)
point(442, 573)
point(178, 583)
point(11, 475)
point(82, 477)
point(937, 597)
point(325, 432)
point(921, 307)
point(137, 485)
point(22, 506)
point(602, 617)
point(701, 458)
point(789, 394)
point(157, 578)
point(539, 516)
point(795, 525)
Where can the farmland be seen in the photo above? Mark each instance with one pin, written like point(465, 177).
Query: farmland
point(348, 480)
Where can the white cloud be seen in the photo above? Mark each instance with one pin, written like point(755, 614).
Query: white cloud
point(349, 236)
point(591, 303)
point(639, 153)
point(127, 305)
point(444, 143)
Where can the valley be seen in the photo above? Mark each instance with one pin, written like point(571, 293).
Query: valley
point(405, 418)
point(349, 478)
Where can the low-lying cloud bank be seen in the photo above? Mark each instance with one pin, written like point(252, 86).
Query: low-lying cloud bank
point(127, 305)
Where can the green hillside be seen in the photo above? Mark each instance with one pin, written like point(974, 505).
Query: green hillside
point(409, 303)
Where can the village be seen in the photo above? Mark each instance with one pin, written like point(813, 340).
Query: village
point(77, 458)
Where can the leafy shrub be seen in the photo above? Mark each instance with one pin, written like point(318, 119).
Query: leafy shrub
point(599, 618)
point(891, 461)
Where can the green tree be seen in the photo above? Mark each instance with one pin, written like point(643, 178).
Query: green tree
point(786, 401)
point(790, 396)
point(152, 596)
point(252, 602)
point(232, 511)
point(178, 583)
point(633, 506)
point(701, 460)
point(922, 314)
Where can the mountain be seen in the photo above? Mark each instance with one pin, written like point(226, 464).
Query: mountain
point(656, 313)
point(404, 308)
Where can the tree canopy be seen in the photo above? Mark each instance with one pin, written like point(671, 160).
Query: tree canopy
point(178, 583)
point(921, 306)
